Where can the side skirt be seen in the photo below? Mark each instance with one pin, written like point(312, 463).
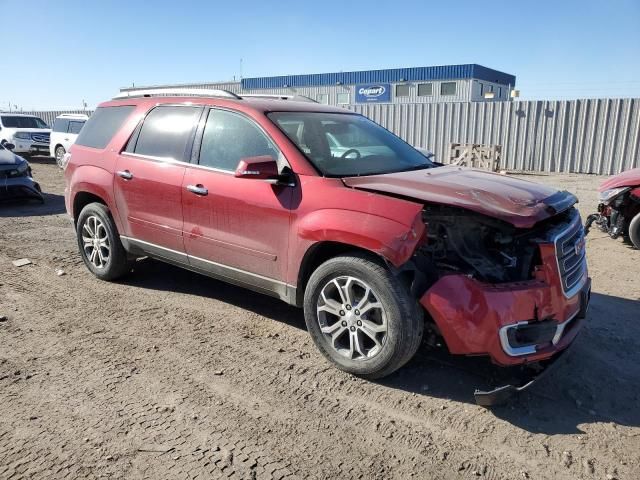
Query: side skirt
point(225, 273)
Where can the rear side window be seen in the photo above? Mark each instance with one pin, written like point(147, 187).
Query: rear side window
point(103, 125)
point(166, 132)
point(60, 125)
point(75, 126)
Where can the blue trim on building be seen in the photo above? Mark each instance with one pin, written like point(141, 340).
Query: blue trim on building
point(444, 72)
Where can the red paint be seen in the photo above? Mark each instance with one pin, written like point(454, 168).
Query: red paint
point(267, 229)
point(515, 201)
point(469, 314)
point(630, 178)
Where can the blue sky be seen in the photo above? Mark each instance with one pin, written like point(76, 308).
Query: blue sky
point(66, 51)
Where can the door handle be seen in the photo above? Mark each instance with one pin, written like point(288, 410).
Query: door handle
point(198, 190)
point(126, 174)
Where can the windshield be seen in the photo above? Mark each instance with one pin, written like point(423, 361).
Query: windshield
point(348, 145)
point(11, 121)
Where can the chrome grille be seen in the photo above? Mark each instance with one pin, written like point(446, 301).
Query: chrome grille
point(571, 255)
point(40, 137)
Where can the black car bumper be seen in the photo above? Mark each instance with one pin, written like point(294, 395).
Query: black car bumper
point(20, 188)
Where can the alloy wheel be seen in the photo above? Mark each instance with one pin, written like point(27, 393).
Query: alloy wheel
point(95, 240)
point(351, 318)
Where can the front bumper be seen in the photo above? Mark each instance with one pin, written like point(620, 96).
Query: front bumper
point(26, 146)
point(20, 188)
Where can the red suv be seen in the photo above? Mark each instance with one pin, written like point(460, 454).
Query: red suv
point(327, 210)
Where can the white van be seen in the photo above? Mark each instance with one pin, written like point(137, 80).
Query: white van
point(66, 128)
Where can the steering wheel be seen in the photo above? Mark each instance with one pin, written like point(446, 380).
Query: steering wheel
point(349, 152)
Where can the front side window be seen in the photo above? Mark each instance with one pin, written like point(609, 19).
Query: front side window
point(448, 88)
point(230, 137)
point(60, 125)
point(16, 121)
point(345, 145)
point(103, 125)
point(75, 126)
point(343, 99)
point(403, 90)
point(166, 132)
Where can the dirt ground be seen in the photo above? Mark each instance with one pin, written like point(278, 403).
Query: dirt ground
point(168, 374)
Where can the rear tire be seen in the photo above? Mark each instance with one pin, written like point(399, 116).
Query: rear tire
point(634, 231)
point(99, 243)
point(371, 343)
point(60, 151)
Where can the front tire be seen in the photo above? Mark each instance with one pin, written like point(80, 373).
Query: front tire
point(99, 243)
point(60, 151)
point(634, 231)
point(361, 318)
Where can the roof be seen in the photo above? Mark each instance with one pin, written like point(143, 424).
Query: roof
point(444, 72)
point(262, 105)
point(15, 114)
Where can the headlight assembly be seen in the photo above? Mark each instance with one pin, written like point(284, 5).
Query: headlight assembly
point(22, 135)
point(608, 195)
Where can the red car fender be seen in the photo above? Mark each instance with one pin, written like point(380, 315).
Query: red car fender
point(96, 181)
point(388, 238)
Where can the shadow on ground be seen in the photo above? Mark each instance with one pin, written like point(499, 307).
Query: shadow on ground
point(53, 205)
point(598, 381)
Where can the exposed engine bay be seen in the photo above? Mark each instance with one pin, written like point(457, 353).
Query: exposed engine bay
point(487, 249)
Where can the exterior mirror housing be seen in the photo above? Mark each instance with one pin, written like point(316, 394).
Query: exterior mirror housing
point(8, 146)
point(263, 167)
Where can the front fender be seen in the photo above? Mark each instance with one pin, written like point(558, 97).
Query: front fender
point(388, 238)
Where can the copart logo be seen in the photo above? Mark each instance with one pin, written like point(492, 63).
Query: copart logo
point(372, 92)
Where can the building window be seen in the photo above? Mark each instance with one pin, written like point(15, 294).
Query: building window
point(448, 88)
point(499, 92)
point(481, 89)
point(425, 89)
point(322, 98)
point(403, 90)
point(343, 99)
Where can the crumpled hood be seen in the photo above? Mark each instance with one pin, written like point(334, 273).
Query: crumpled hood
point(518, 202)
point(630, 178)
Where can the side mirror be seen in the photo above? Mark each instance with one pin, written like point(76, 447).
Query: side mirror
point(8, 146)
point(263, 167)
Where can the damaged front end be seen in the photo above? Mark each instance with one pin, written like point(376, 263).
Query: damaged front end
point(518, 295)
point(16, 182)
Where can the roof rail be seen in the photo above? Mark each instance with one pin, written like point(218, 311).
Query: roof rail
point(175, 92)
point(294, 98)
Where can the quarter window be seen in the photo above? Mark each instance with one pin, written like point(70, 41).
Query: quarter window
point(103, 125)
point(343, 99)
point(425, 89)
point(229, 137)
point(448, 88)
point(403, 90)
point(166, 132)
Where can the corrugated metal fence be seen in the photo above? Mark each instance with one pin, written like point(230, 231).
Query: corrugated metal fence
point(582, 136)
point(50, 115)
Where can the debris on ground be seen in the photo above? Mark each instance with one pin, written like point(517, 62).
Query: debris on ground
point(21, 262)
point(60, 272)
